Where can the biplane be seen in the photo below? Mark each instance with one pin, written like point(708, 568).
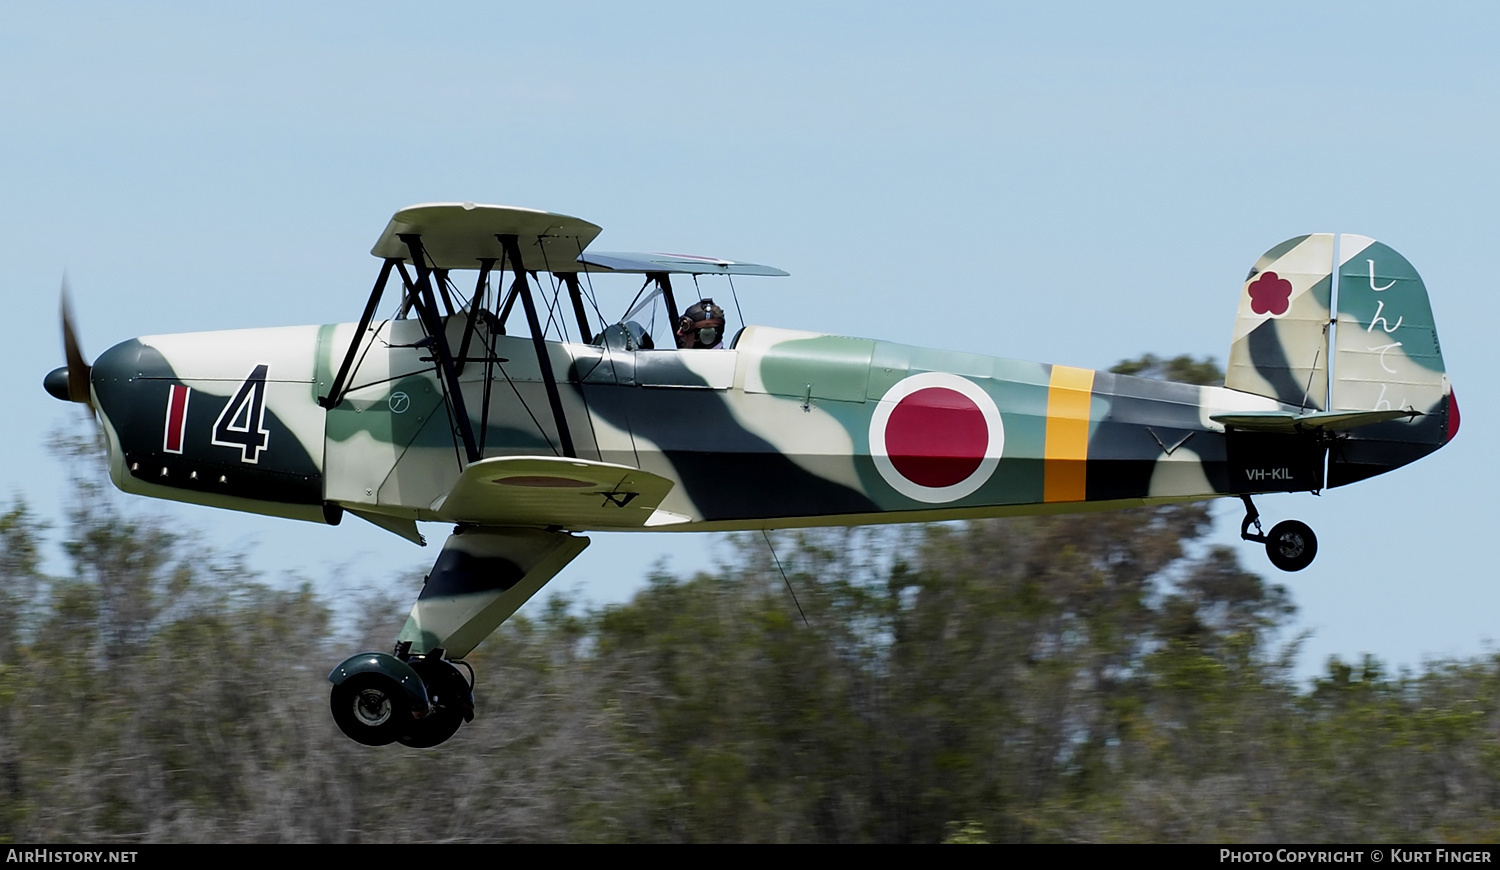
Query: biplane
point(525, 430)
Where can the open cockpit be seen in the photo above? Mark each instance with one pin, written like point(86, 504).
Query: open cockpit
point(523, 361)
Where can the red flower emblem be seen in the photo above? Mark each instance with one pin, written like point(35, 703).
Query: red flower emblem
point(1270, 294)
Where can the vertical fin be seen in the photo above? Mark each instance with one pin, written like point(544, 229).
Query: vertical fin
point(1280, 347)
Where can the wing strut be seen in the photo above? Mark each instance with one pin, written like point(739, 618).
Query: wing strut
point(476, 305)
point(513, 253)
point(510, 302)
point(664, 281)
point(426, 304)
point(442, 287)
point(576, 293)
point(336, 391)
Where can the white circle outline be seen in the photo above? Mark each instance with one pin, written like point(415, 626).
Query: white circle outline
point(936, 494)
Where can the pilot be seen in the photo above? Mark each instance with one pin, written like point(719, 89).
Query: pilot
point(701, 326)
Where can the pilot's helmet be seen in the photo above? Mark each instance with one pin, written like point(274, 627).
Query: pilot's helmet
point(702, 325)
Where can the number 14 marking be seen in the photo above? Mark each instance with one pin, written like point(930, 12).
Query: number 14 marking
point(242, 422)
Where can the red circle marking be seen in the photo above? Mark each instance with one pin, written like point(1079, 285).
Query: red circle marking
point(936, 437)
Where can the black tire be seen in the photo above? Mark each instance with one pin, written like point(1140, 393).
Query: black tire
point(433, 729)
point(370, 709)
point(452, 702)
point(1291, 545)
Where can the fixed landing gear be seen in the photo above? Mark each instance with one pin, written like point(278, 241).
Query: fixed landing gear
point(417, 701)
point(1291, 545)
point(419, 696)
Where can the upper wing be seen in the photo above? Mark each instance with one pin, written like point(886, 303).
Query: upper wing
point(457, 235)
point(678, 264)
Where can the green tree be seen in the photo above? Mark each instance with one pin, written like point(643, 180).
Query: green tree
point(1183, 369)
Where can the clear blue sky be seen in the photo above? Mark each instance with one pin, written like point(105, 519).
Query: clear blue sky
point(1073, 183)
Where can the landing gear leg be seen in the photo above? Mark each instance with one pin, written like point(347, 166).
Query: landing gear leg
point(419, 697)
point(1291, 546)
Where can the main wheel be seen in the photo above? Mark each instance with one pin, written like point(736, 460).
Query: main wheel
point(370, 709)
point(452, 700)
point(434, 728)
point(1291, 545)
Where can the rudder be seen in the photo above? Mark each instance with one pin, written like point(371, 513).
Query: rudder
point(1386, 357)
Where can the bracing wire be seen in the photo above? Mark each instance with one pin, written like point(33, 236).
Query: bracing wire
point(554, 306)
point(784, 579)
point(637, 298)
point(448, 399)
point(589, 278)
point(554, 311)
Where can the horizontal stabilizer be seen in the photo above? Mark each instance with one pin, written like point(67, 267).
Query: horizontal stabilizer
point(552, 491)
point(677, 264)
point(1291, 421)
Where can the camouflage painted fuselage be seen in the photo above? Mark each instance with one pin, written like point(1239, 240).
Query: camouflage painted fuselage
point(785, 429)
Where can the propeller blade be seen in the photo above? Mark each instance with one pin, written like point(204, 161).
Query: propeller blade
point(78, 367)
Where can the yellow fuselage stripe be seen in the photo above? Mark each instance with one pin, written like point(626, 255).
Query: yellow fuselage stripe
point(1067, 450)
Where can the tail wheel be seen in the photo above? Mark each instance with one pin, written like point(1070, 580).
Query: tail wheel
point(1291, 545)
point(370, 709)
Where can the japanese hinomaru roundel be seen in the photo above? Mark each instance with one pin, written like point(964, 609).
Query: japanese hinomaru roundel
point(496, 403)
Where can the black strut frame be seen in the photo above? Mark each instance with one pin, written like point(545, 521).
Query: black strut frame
point(421, 298)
